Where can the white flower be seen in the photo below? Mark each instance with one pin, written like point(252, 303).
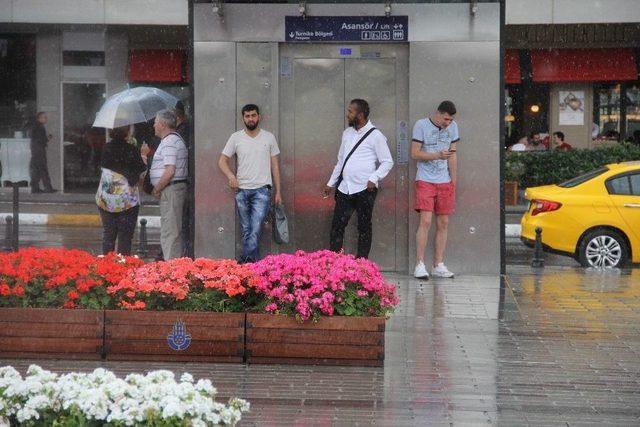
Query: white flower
point(26, 414)
point(101, 396)
point(206, 386)
point(186, 378)
point(171, 407)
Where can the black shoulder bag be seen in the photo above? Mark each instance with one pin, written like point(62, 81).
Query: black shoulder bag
point(340, 177)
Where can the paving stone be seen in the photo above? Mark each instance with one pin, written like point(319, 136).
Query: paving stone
point(554, 347)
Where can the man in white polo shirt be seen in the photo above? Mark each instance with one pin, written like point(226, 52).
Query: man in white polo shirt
point(434, 147)
point(168, 175)
point(257, 159)
point(356, 175)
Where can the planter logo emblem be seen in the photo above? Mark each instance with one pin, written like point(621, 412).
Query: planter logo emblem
point(179, 339)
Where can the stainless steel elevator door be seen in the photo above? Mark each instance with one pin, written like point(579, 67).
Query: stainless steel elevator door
point(318, 122)
point(322, 89)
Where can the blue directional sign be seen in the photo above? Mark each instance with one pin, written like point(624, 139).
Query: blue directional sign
point(346, 28)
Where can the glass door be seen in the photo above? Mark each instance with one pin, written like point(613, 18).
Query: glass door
point(82, 144)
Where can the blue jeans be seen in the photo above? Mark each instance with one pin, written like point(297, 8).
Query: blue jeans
point(253, 207)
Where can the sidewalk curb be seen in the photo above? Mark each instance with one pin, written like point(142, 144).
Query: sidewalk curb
point(81, 220)
point(510, 230)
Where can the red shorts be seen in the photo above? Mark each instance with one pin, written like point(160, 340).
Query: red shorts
point(437, 198)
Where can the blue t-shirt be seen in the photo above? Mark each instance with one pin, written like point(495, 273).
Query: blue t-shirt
point(433, 140)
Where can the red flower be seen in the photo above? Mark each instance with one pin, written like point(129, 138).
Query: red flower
point(71, 271)
point(176, 278)
point(5, 290)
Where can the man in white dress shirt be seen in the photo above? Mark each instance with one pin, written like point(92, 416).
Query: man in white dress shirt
point(356, 176)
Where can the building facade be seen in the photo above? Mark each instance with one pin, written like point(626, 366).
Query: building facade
point(66, 57)
point(573, 67)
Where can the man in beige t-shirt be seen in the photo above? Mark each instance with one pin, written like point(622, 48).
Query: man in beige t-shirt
point(256, 151)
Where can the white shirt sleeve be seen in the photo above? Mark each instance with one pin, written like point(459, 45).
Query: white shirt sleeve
point(274, 149)
point(455, 135)
point(230, 147)
point(384, 158)
point(336, 170)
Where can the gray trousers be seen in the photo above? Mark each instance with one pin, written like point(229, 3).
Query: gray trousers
point(171, 203)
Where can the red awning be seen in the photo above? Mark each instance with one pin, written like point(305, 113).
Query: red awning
point(512, 67)
point(156, 65)
point(583, 65)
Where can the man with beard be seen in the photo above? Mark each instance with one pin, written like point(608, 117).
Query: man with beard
point(256, 152)
point(356, 177)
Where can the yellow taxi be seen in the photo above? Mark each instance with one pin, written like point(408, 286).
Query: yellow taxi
point(594, 218)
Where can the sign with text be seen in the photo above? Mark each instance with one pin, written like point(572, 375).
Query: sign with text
point(346, 28)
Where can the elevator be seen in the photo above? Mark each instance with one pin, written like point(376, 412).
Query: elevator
point(303, 89)
point(316, 84)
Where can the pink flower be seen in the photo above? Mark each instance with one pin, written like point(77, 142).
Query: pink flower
point(313, 284)
point(271, 307)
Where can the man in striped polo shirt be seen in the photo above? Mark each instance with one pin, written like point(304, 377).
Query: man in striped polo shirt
point(168, 175)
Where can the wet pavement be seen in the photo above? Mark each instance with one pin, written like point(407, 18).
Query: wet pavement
point(89, 238)
point(77, 237)
point(559, 346)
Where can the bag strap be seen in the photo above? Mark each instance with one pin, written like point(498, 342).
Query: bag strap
point(340, 178)
point(179, 136)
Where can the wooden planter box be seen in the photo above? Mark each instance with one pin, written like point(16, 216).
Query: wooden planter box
point(510, 193)
point(51, 333)
point(145, 335)
point(354, 341)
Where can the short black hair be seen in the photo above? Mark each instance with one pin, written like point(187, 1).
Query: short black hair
point(559, 135)
point(447, 107)
point(39, 114)
point(362, 105)
point(250, 107)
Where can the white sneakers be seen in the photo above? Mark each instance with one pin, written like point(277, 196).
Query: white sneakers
point(439, 270)
point(421, 271)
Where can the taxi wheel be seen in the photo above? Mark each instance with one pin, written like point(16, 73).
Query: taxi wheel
point(603, 248)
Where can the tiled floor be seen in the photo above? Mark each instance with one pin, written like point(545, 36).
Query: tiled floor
point(558, 347)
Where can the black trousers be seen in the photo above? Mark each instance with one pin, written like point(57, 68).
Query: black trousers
point(362, 203)
point(120, 225)
point(39, 169)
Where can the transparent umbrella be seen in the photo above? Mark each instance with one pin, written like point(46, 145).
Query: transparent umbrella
point(131, 106)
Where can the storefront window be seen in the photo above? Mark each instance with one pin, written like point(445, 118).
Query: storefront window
point(512, 114)
point(633, 112)
point(82, 142)
point(17, 83)
point(606, 115)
